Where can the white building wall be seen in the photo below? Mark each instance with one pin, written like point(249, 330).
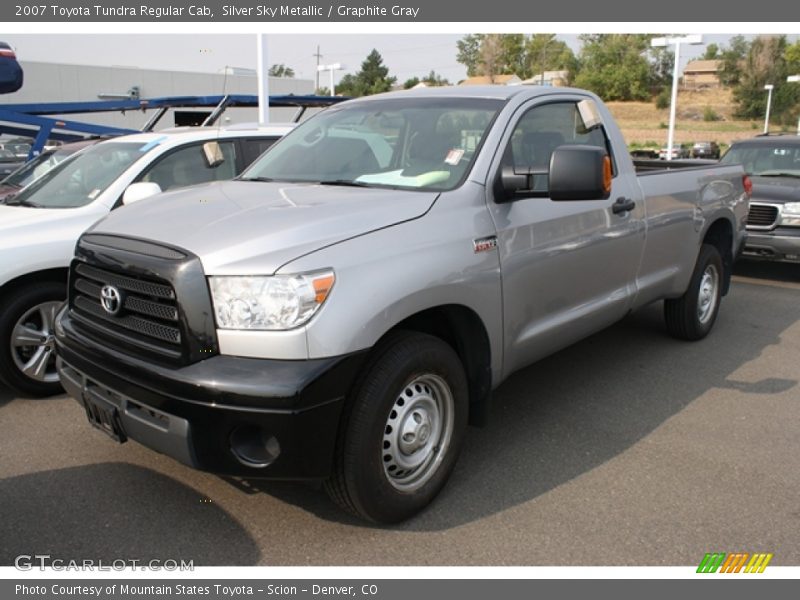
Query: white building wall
point(52, 82)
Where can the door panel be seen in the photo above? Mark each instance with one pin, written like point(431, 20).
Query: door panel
point(568, 268)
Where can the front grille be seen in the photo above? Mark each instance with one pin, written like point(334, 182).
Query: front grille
point(762, 216)
point(148, 318)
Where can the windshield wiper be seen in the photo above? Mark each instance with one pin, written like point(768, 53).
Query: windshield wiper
point(343, 182)
point(262, 179)
point(10, 201)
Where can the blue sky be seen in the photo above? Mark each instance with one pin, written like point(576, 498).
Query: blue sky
point(407, 55)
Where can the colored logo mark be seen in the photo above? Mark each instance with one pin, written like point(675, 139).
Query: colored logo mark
point(736, 562)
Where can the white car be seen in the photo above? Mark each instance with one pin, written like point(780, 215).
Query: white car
point(40, 225)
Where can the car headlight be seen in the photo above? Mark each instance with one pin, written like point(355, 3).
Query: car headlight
point(276, 302)
point(792, 209)
point(790, 214)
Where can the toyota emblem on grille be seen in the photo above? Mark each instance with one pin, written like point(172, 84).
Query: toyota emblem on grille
point(111, 299)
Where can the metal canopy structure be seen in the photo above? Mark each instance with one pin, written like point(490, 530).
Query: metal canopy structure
point(32, 120)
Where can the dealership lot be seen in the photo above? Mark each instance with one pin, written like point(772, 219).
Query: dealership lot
point(627, 448)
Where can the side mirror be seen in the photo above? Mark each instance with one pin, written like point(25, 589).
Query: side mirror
point(580, 173)
point(512, 182)
point(140, 191)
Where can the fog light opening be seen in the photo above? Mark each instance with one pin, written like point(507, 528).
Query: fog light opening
point(253, 447)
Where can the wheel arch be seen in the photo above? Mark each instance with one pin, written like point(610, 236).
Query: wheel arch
point(462, 329)
point(56, 274)
point(720, 235)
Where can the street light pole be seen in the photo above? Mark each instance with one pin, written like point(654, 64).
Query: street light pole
point(795, 79)
point(332, 67)
point(676, 41)
point(769, 87)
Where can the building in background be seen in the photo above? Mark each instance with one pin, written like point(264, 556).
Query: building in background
point(702, 74)
point(496, 80)
point(549, 78)
point(53, 82)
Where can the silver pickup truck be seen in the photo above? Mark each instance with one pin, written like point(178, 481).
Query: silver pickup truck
point(345, 308)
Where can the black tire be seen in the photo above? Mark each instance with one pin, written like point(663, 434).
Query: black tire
point(692, 316)
point(34, 307)
point(406, 379)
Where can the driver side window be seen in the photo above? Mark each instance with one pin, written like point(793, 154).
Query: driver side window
point(540, 131)
point(190, 166)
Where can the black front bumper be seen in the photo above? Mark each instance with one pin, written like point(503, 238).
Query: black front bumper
point(213, 414)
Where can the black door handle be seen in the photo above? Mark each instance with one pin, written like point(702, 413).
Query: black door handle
point(623, 205)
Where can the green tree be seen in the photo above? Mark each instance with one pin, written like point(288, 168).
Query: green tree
point(712, 52)
point(793, 58)
point(505, 54)
point(765, 63)
point(280, 70)
point(410, 83)
point(373, 78)
point(434, 79)
point(469, 48)
point(544, 52)
point(732, 57)
point(615, 66)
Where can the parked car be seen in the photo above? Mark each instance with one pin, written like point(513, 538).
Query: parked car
point(644, 154)
point(9, 162)
point(705, 150)
point(678, 151)
point(773, 223)
point(11, 75)
point(41, 223)
point(38, 166)
point(344, 308)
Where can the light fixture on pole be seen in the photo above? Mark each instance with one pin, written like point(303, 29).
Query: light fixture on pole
point(676, 41)
point(769, 87)
point(332, 67)
point(795, 79)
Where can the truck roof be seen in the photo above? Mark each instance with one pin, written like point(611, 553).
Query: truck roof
point(501, 92)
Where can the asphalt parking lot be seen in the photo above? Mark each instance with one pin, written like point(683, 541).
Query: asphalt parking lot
point(629, 448)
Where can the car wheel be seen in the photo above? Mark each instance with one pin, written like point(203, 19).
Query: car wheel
point(27, 339)
point(692, 316)
point(402, 429)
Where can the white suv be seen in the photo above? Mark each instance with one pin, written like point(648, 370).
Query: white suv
point(40, 225)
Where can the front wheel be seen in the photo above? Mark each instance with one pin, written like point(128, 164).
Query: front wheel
point(27, 339)
point(692, 316)
point(402, 430)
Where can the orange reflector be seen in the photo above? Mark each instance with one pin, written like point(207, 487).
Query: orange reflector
point(607, 175)
point(322, 286)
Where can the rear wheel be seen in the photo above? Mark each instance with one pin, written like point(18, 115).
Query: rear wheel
point(27, 339)
point(402, 430)
point(692, 316)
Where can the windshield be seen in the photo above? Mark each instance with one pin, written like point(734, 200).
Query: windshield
point(416, 143)
point(79, 181)
point(763, 159)
point(36, 167)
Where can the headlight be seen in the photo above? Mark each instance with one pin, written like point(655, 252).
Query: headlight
point(792, 209)
point(277, 302)
point(790, 215)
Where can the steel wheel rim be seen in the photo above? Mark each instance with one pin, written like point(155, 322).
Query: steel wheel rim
point(417, 432)
point(707, 295)
point(33, 343)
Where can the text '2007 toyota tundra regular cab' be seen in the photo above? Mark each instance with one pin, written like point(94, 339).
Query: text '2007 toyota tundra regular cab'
point(345, 308)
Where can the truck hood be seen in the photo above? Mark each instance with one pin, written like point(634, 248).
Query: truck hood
point(775, 189)
point(244, 227)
